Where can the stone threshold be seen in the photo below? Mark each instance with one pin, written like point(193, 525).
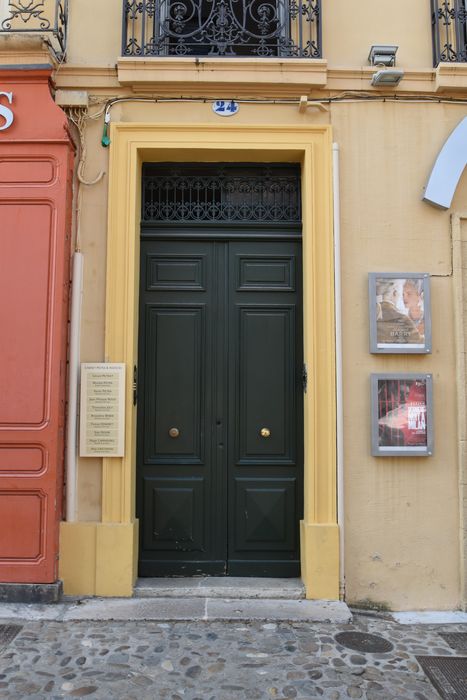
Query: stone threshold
point(233, 587)
point(183, 609)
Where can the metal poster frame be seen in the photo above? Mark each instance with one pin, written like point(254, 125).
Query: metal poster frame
point(387, 296)
point(401, 432)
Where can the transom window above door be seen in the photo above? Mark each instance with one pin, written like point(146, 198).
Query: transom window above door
point(221, 193)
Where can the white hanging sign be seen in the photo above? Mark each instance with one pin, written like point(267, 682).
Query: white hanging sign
point(448, 168)
point(225, 108)
point(5, 112)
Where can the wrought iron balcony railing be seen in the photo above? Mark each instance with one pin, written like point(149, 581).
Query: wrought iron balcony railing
point(449, 24)
point(222, 28)
point(47, 18)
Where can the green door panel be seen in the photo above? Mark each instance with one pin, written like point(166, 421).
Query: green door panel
point(220, 361)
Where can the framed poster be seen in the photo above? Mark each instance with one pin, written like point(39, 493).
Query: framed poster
point(400, 317)
point(401, 415)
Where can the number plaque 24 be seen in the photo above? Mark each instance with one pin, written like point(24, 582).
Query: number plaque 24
point(225, 108)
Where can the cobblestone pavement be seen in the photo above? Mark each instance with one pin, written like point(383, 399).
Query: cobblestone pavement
point(215, 660)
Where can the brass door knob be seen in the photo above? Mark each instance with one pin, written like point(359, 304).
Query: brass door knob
point(174, 432)
point(265, 432)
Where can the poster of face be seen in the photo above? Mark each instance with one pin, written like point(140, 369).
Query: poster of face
point(402, 415)
point(400, 320)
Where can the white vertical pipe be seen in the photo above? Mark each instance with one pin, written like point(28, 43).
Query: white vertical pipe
point(73, 379)
point(339, 393)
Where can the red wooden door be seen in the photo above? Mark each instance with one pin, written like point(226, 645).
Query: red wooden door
point(36, 161)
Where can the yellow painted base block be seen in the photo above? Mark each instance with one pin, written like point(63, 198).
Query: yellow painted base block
point(98, 558)
point(319, 546)
point(77, 562)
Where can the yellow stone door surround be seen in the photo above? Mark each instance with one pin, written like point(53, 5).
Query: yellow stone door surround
point(108, 564)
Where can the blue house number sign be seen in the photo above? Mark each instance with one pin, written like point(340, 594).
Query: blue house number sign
point(225, 108)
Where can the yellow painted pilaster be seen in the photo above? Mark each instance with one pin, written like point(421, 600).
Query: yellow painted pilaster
point(319, 538)
point(459, 258)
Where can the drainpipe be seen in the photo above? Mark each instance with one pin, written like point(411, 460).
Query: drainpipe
point(339, 395)
point(73, 379)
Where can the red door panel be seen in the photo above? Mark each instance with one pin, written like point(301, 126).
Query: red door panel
point(27, 244)
point(36, 160)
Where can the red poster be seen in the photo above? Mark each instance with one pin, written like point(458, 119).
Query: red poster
point(402, 412)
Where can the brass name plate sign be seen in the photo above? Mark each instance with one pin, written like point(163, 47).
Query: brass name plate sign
point(102, 413)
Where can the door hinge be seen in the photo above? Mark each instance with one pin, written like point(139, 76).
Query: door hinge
point(135, 385)
point(304, 378)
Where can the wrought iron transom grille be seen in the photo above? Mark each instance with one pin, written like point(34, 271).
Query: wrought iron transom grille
point(221, 193)
point(264, 28)
point(449, 24)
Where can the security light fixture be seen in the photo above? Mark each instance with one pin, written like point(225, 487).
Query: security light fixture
point(389, 77)
point(382, 55)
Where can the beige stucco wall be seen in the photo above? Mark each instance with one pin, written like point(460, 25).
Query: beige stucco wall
point(403, 532)
point(402, 515)
point(348, 31)
point(95, 30)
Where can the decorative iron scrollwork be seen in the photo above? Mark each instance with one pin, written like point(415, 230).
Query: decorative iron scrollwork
point(226, 193)
point(47, 17)
point(264, 28)
point(25, 10)
point(449, 24)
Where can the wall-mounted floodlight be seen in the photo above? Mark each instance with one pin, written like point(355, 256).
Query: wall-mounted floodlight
point(382, 55)
point(389, 77)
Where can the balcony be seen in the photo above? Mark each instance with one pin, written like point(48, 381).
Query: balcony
point(449, 23)
point(222, 28)
point(44, 18)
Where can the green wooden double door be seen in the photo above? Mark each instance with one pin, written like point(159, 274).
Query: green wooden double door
point(220, 408)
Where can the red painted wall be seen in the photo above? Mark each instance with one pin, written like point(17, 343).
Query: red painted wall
point(36, 160)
